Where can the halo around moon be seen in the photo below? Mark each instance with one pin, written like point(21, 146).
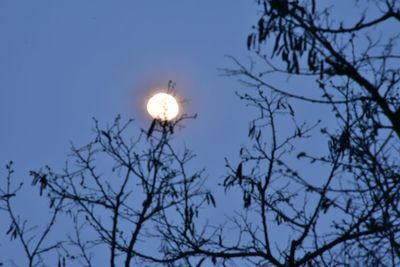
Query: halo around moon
point(163, 106)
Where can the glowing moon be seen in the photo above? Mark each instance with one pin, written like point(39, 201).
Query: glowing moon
point(163, 107)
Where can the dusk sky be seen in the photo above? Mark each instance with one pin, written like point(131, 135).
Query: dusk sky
point(66, 62)
point(63, 63)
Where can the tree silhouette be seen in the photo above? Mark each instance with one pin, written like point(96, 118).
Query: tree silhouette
point(315, 192)
point(348, 216)
point(119, 190)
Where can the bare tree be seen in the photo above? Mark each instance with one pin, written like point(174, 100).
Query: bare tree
point(315, 192)
point(33, 240)
point(337, 205)
point(115, 191)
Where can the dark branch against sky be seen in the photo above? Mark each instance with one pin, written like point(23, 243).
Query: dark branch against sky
point(63, 63)
point(301, 85)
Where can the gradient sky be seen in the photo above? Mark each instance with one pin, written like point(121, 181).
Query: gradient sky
point(64, 62)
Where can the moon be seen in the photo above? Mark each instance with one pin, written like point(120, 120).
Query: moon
point(163, 106)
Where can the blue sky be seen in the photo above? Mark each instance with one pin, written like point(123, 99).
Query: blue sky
point(64, 62)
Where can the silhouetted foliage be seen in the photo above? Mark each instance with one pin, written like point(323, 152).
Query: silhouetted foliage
point(349, 216)
point(117, 190)
point(315, 192)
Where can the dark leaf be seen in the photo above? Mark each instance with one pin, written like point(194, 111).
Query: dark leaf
point(252, 130)
point(239, 173)
point(213, 200)
point(325, 204)
point(52, 203)
point(246, 200)
point(298, 132)
point(106, 135)
point(249, 41)
point(262, 31)
point(258, 136)
point(10, 229)
point(151, 129)
point(210, 199)
point(14, 234)
point(277, 42)
point(301, 154)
